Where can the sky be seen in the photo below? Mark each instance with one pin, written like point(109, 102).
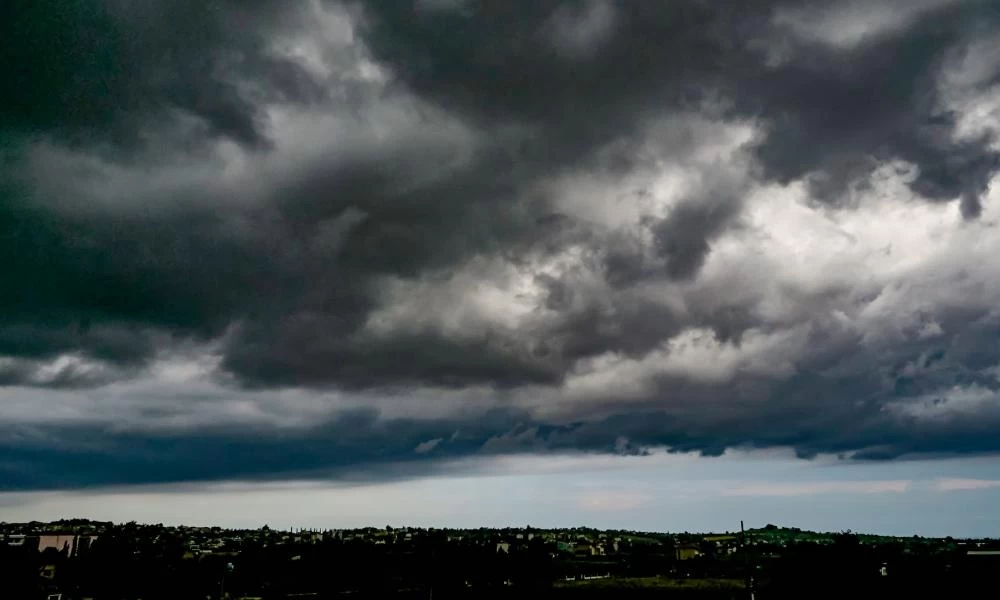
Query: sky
point(655, 265)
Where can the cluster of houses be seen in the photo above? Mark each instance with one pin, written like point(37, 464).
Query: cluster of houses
point(69, 542)
point(77, 537)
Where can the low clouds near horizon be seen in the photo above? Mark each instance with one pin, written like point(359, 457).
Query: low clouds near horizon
point(272, 240)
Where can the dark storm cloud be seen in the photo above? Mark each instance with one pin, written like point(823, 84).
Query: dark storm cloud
point(295, 354)
point(683, 238)
point(830, 112)
point(834, 114)
point(85, 456)
point(835, 404)
point(807, 413)
point(96, 284)
point(92, 70)
point(284, 271)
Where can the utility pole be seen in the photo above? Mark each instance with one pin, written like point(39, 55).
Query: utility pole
point(747, 567)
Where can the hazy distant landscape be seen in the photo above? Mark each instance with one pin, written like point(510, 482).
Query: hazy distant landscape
point(79, 559)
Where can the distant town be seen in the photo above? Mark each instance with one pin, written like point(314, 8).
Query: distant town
point(79, 559)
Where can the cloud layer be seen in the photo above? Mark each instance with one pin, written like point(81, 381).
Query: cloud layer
point(333, 238)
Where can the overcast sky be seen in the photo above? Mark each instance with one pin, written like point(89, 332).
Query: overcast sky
point(451, 262)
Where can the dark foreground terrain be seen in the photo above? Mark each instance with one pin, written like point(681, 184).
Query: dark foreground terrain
point(78, 559)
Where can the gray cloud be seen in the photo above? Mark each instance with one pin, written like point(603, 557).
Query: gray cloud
point(625, 225)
